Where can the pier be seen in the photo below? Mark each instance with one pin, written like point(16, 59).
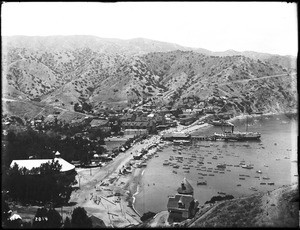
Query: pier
point(203, 138)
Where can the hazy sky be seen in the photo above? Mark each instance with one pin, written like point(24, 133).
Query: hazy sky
point(269, 27)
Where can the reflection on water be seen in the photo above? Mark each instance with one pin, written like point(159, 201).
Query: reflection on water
point(273, 157)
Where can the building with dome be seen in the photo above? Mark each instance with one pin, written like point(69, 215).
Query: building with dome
point(182, 205)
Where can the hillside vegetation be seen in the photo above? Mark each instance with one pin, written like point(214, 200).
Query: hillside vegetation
point(278, 208)
point(64, 70)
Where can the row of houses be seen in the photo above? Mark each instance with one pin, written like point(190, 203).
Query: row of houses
point(129, 122)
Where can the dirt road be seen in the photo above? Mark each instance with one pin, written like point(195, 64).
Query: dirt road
point(105, 194)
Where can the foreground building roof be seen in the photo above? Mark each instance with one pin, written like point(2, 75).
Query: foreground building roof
point(35, 163)
point(180, 202)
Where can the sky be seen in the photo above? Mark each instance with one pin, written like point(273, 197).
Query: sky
point(268, 27)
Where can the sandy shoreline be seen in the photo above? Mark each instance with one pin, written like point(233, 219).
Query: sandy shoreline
point(105, 182)
point(107, 194)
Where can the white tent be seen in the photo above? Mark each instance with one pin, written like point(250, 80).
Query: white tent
point(35, 163)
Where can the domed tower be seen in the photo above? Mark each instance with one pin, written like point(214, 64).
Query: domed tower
point(182, 205)
point(185, 188)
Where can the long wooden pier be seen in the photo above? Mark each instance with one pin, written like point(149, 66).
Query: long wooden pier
point(203, 138)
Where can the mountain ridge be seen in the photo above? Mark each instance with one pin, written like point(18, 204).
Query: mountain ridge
point(79, 69)
point(228, 52)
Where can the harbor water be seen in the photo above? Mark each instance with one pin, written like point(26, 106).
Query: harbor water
point(273, 158)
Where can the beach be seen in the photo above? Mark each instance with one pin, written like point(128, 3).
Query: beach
point(106, 194)
point(110, 196)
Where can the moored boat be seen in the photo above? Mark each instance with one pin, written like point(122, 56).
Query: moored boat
point(202, 183)
point(253, 189)
point(219, 165)
point(238, 136)
point(247, 166)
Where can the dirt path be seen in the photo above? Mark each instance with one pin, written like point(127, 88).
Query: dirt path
point(160, 220)
point(259, 78)
point(278, 208)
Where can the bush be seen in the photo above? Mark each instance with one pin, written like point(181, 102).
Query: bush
point(47, 218)
point(80, 219)
point(54, 219)
point(219, 198)
point(67, 223)
point(148, 215)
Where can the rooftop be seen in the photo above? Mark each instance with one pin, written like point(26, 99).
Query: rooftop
point(180, 202)
point(35, 163)
point(98, 122)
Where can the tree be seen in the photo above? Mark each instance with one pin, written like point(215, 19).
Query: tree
point(5, 214)
point(86, 107)
point(77, 107)
point(80, 218)
point(54, 219)
point(41, 218)
point(42, 184)
point(67, 223)
point(13, 224)
point(148, 215)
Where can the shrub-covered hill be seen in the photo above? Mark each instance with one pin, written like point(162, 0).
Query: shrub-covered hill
point(243, 81)
point(278, 208)
point(62, 71)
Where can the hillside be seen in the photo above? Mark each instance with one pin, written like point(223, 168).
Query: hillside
point(288, 62)
point(31, 109)
point(64, 70)
point(277, 208)
point(101, 45)
point(240, 79)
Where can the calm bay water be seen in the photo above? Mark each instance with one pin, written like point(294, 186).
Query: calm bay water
point(275, 155)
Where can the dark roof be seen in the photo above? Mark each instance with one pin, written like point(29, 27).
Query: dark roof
point(185, 187)
point(127, 116)
point(137, 124)
point(186, 200)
